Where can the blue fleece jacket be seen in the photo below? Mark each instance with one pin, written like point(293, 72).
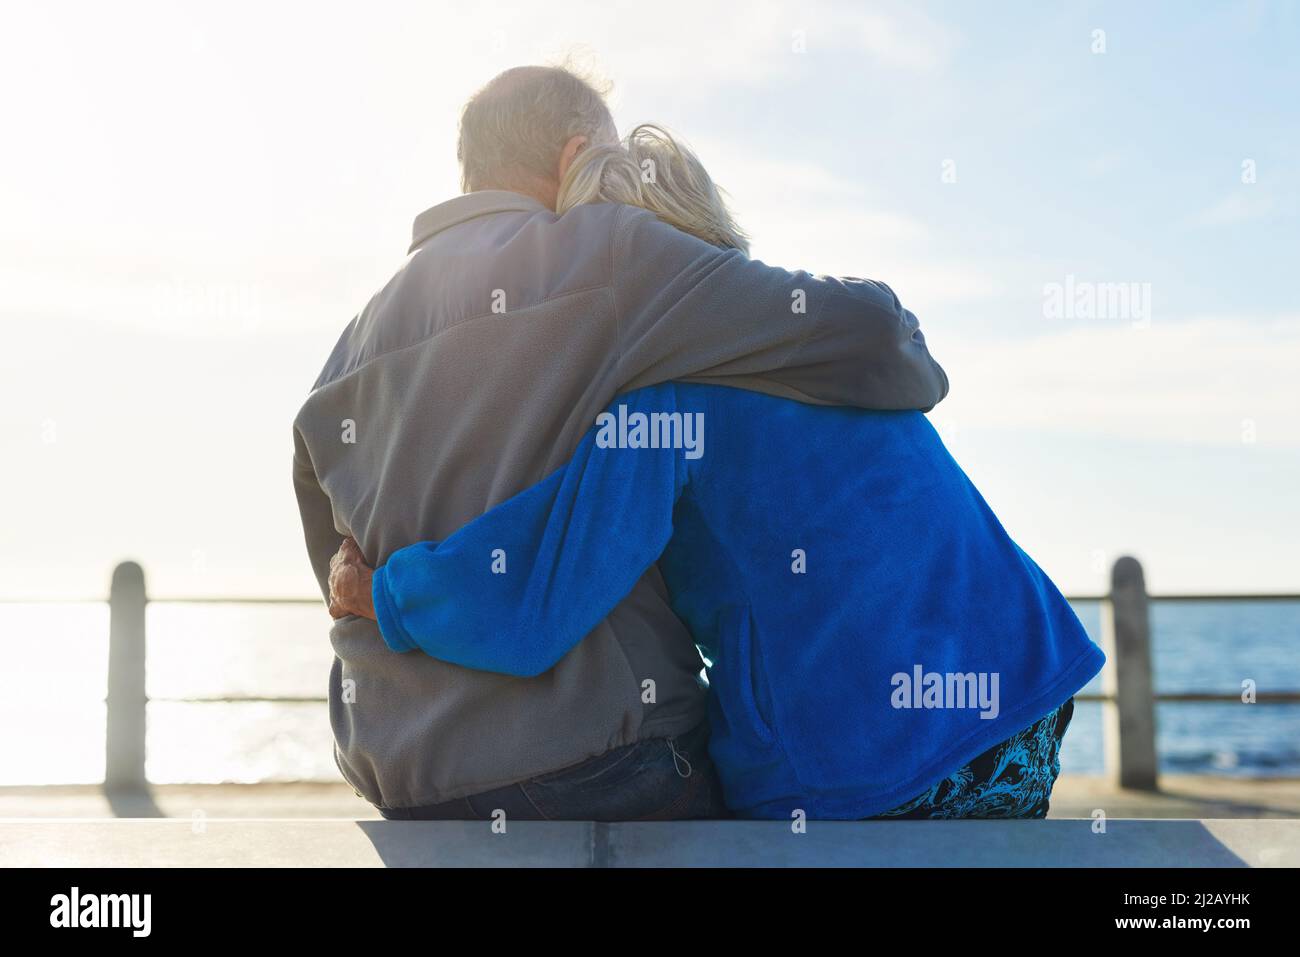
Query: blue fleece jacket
point(871, 627)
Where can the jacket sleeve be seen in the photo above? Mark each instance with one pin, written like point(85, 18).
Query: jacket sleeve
point(690, 310)
point(316, 512)
point(515, 589)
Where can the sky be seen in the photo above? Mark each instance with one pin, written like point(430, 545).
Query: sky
point(196, 198)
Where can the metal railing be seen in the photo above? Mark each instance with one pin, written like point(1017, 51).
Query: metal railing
point(1128, 696)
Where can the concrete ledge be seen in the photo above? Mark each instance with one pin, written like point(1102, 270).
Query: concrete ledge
point(1193, 796)
point(204, 842)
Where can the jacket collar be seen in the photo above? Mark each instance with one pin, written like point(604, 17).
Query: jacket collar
point(469, 206)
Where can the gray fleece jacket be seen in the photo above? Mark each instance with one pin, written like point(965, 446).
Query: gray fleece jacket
point(472, 375)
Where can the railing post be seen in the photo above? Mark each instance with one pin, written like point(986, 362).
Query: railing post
point(124, 765)
point(1130, 726)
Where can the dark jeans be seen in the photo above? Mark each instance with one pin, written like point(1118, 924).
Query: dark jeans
point(1010, 780)
point(658, 779)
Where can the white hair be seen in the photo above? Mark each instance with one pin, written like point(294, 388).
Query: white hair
point(655, 171)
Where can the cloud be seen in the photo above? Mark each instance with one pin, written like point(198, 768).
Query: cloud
point(1103, 164)
point(1247, 203)
point(903, 39)
point(1220, 381)
point(802, 214)
point(756, 43)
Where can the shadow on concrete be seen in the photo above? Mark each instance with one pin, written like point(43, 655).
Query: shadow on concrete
point(132, 802)
point(1063, 843)
point(1218, 807)
point(476, 844)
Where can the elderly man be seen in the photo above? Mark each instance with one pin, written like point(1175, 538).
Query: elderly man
point(472, 375)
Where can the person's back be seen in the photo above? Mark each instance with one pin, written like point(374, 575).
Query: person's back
point(474, 373)
point(819, 553)
point(432, 409)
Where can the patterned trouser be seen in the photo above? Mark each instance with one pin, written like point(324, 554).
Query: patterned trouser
point(1011, 779)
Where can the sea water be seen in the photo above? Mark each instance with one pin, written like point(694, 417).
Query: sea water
point(56, 663)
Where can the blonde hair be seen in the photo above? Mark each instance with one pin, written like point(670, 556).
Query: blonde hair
point(653, 170)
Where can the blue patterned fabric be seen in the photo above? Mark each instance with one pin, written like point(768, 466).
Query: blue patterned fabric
point(1011, 780)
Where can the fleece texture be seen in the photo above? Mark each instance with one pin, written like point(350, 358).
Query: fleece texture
point(870, 625)
point(472, 375)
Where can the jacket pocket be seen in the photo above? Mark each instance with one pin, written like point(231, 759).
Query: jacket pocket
point(751, 678)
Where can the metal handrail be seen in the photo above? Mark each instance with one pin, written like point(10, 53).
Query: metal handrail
point(261, 600)
point(1128, 695)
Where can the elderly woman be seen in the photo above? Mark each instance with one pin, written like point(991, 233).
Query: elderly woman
point(877, 643)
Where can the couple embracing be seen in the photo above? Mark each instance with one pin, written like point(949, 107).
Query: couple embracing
point(533, 619)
